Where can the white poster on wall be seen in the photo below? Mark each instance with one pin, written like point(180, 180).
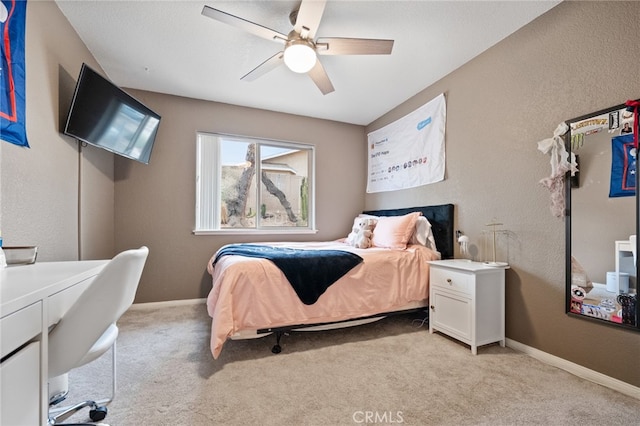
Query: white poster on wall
point(410, 151)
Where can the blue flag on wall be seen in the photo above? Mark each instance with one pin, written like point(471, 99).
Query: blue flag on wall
point(12, 72)
point(623, 166)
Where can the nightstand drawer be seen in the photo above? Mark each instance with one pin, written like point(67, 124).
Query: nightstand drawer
point(452, 280)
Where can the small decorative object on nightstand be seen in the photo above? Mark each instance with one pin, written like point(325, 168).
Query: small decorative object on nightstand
point(466, 301)
point(492, 233)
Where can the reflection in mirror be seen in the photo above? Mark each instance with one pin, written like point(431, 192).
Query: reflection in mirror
point(602, 218)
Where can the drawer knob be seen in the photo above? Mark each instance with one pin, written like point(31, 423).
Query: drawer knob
point(433, 308)
point(449, 281)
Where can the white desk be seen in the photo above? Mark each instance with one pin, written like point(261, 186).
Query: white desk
point(33, 298)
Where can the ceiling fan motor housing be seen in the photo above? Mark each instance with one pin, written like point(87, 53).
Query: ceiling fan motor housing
point(293, 16)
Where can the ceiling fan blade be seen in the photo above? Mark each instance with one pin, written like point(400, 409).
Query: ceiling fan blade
point(243, 24)
point(353, 46)
point(308, 18)
point(268, 65)
point(320, 78)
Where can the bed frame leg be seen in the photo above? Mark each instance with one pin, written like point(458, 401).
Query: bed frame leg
point(277, 348)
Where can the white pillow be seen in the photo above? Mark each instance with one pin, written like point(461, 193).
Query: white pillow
point(423, 234)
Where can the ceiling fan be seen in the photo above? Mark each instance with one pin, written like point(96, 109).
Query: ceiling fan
point(300, 49)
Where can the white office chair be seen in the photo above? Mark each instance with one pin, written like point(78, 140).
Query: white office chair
point(88, 329)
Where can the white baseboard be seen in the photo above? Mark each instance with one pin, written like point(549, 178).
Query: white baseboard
point(577, 370)
point(168, 303)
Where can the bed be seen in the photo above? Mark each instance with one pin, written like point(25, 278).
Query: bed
point(252, 297)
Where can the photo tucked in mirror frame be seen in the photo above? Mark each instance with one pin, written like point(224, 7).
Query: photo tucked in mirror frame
point(602, 218)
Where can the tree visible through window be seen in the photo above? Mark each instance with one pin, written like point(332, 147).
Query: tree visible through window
point(228, 196)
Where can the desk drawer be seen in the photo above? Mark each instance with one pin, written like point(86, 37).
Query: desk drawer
point(450, 279)
point(19, 327)
point(59, 303)
point(20, 387)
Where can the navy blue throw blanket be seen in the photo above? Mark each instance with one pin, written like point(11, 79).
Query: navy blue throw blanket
point(310, 272)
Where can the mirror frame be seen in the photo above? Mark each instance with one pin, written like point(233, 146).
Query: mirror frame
point(568, 253)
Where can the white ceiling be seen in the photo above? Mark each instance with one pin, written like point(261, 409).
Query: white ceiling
point(170, 47)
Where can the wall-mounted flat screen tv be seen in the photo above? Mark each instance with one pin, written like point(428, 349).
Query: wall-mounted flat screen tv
point(103, 115)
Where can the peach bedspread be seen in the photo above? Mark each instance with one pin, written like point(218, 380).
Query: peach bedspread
point(251, 294)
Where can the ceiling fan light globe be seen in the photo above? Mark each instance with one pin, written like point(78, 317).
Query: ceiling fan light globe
point(300, 57)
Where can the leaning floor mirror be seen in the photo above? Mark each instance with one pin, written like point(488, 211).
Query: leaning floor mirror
point(602, 218)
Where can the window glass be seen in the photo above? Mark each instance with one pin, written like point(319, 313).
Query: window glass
point(251, 184)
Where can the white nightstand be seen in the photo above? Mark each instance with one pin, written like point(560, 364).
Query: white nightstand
point(466, 301)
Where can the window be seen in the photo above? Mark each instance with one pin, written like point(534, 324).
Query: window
point(253, 185)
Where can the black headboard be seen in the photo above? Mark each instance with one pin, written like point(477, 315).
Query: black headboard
point(441, 219)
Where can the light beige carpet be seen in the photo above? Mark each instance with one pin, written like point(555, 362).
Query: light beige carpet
point(389, 372)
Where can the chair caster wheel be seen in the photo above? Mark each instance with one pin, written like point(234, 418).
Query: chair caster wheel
point(276, 349)
point(99, 413)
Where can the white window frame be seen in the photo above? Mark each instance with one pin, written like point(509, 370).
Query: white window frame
point(208, 191)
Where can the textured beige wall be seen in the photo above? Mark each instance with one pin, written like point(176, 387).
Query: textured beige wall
point(577, 58)
point(40, 185)
point(155, 203)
